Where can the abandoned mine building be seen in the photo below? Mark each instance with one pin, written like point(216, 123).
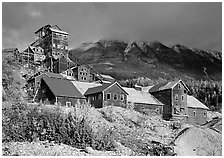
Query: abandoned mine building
point(143, 101)
point(108, 94)
point(58, 90)
point(177, 104)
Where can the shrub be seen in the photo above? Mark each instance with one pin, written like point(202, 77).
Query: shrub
point(49, 123)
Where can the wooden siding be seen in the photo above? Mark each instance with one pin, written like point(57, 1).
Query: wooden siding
point(73, 101)
point(96, 100)
point(200, 117)
point(165, 97)
point(179, 106)
point(148, 109)
point(115, 89)
point(83, 73)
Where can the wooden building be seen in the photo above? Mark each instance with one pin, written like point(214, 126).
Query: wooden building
point(143, 101)
point(54, 42)
point(174, 97)
point(197, 111)
point(107, 95)
point(59, 91)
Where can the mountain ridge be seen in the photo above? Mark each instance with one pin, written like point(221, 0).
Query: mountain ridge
point(149, 59)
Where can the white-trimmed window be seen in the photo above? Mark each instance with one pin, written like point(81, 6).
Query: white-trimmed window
point(66, 47)
point(54, 45)
point(176, 97)
point(194, 113)
point(68, 103)
point(108, 96)
point(115, 97)
point(122, 97)
point(182, 98)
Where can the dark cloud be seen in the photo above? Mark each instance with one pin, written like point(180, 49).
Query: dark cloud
point(192, 24)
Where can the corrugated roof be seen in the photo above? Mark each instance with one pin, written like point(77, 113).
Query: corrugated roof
point(84, 86)
point(59, 31)
point(192, 102)
point(60, 87)
point(166, 85)
point(141, 97)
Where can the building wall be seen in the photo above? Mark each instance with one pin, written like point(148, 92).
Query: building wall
point(148, 108)
point(83, 73)
point(96, 100)
point(200, 117)
point(165, 97)
point(115, 89)
point(62, 100)
point(179, 103)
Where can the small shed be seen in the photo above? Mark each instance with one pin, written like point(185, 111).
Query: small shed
point(57, 90)
point(197, 111)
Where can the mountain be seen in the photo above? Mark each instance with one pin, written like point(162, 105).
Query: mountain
point(153, 60)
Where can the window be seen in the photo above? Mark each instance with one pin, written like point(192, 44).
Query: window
point(194, 113)
point(115, 96)
point(176, 97)
point(68, 104)
point(122, 97)
point(108, 96)
point(182, 98)
point(205, 114)
point(178, 85)
point(80, 73)
point(185, 91)
point(66, 47)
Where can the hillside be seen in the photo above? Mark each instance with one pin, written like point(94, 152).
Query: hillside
point(154, 60)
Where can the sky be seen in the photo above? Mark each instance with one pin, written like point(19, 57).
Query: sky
point(195, 25)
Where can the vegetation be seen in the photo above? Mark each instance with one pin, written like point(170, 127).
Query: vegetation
point(23, 122)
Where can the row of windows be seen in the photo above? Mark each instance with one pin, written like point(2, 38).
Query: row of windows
point(115, 97)
point(61, 36)
point(84, 78)
point(38, 50)
point(195, 114)
point(176, 97)
point(83, 73)
point(60, 46)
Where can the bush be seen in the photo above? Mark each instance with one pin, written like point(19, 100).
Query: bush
point(44, 123)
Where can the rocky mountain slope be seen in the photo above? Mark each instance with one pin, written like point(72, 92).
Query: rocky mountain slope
point(154, 60)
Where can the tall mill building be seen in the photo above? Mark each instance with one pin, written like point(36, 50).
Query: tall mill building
point(54, 42)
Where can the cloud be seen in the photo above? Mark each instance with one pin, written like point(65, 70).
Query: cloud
point(33, 11)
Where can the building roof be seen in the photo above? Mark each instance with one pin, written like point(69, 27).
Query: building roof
point(102, 88)
point(166, 85)
point(84, 86)
point(59, 31)
point(54, 75)
point(142, 97)
point(9, 49)
point(192, 102)
point(61, 87)
point(107, 77)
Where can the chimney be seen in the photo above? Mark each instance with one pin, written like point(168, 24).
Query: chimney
point(138, 88)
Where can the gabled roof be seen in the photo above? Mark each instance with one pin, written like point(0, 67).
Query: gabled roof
point(102, 88)
point(84, 86)
point(60, 87)
point(192, 102)
point(166, 85)
point(141, 97)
